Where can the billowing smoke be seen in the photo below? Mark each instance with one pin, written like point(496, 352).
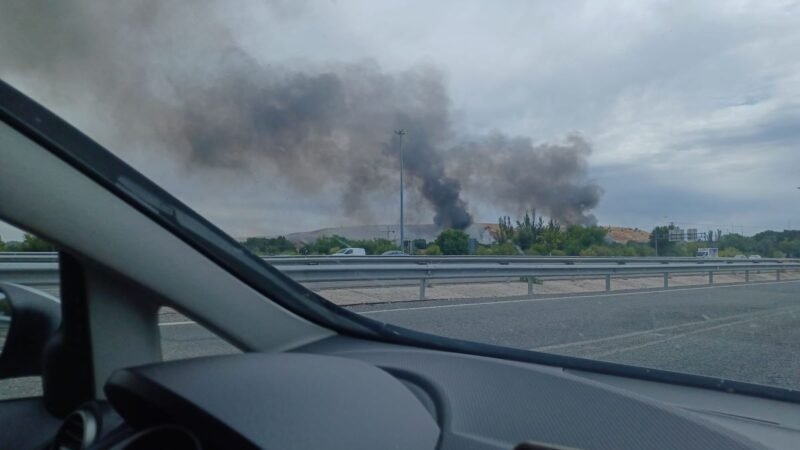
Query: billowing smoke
point(337, 122)
point(178, 72)
point(545, 177)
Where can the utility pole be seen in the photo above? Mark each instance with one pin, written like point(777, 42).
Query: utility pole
point(655, 239)
point(400, 133)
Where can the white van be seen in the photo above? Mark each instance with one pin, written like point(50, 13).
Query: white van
point(351, 251)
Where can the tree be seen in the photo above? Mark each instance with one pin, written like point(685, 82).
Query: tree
point(30, 243)
point(790, 248)
point(551, 237)
point(527, 232)
point(505, 231)
point(453, 242)
point(659, 239)
point(579, 237)
point(742, 244)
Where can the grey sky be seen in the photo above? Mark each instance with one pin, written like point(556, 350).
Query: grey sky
point(692, 108)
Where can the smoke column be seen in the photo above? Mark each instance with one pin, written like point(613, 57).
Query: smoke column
point(545, 177)
point(176, 71)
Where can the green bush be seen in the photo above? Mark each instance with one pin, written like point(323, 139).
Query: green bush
point(269, 246)
point(453, 242)
point(729, 252)
point(504, 249)
point(374, 246)
point(324, 245)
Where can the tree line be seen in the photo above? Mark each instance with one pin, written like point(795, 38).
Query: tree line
point(328, 245)
point(534, 236)
point(29, 243)
point(528, 235)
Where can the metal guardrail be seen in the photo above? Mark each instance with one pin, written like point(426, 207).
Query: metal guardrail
point(315, 260)
point(9, 257)
point(40, 270)
point(527, 271)
point(419, 259)
point(36, 274)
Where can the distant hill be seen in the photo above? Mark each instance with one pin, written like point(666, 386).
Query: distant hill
point(623, 235)
point(485, 233)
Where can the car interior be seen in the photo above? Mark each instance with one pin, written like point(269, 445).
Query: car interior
point(311, 375)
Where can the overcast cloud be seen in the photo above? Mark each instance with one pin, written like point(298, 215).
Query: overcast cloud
point(691, 109)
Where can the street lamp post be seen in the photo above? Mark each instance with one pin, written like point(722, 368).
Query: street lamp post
point(655, 238)
point(400, 133)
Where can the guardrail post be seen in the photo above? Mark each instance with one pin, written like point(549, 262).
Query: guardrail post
point(530, 286)
point(778, 275)
point(423, 283)
point(710, 277)
point(608, 283)
point(746, 276)
point(666, 280)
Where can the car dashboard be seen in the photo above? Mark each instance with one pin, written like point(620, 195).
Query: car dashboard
point(349, 394)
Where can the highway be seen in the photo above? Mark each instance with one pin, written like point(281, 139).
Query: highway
point(745, 332)
point(741, 332)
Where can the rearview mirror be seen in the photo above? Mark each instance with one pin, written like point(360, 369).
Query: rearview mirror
point(28, 318)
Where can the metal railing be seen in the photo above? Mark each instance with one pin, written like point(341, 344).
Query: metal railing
point(40, 269)
point(421, 259)
point(314, 260)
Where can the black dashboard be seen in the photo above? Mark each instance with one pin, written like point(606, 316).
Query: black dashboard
point(348, 394)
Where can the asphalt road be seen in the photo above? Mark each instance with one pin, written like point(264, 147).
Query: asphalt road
point(741, 332)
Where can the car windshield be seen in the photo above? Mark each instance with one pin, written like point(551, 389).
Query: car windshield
point(566, 178)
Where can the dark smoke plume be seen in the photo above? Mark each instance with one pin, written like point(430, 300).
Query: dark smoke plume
point(545, 177)
point(176, 71)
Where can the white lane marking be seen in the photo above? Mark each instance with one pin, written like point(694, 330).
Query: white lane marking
point(655, 331)
point(574, 297)
point(172, 324)
point(679, 336)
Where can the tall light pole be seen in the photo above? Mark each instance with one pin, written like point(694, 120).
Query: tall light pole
point(656, 237)
point(400, 133)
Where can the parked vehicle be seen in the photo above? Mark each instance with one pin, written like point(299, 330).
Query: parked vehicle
point(351, 251)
